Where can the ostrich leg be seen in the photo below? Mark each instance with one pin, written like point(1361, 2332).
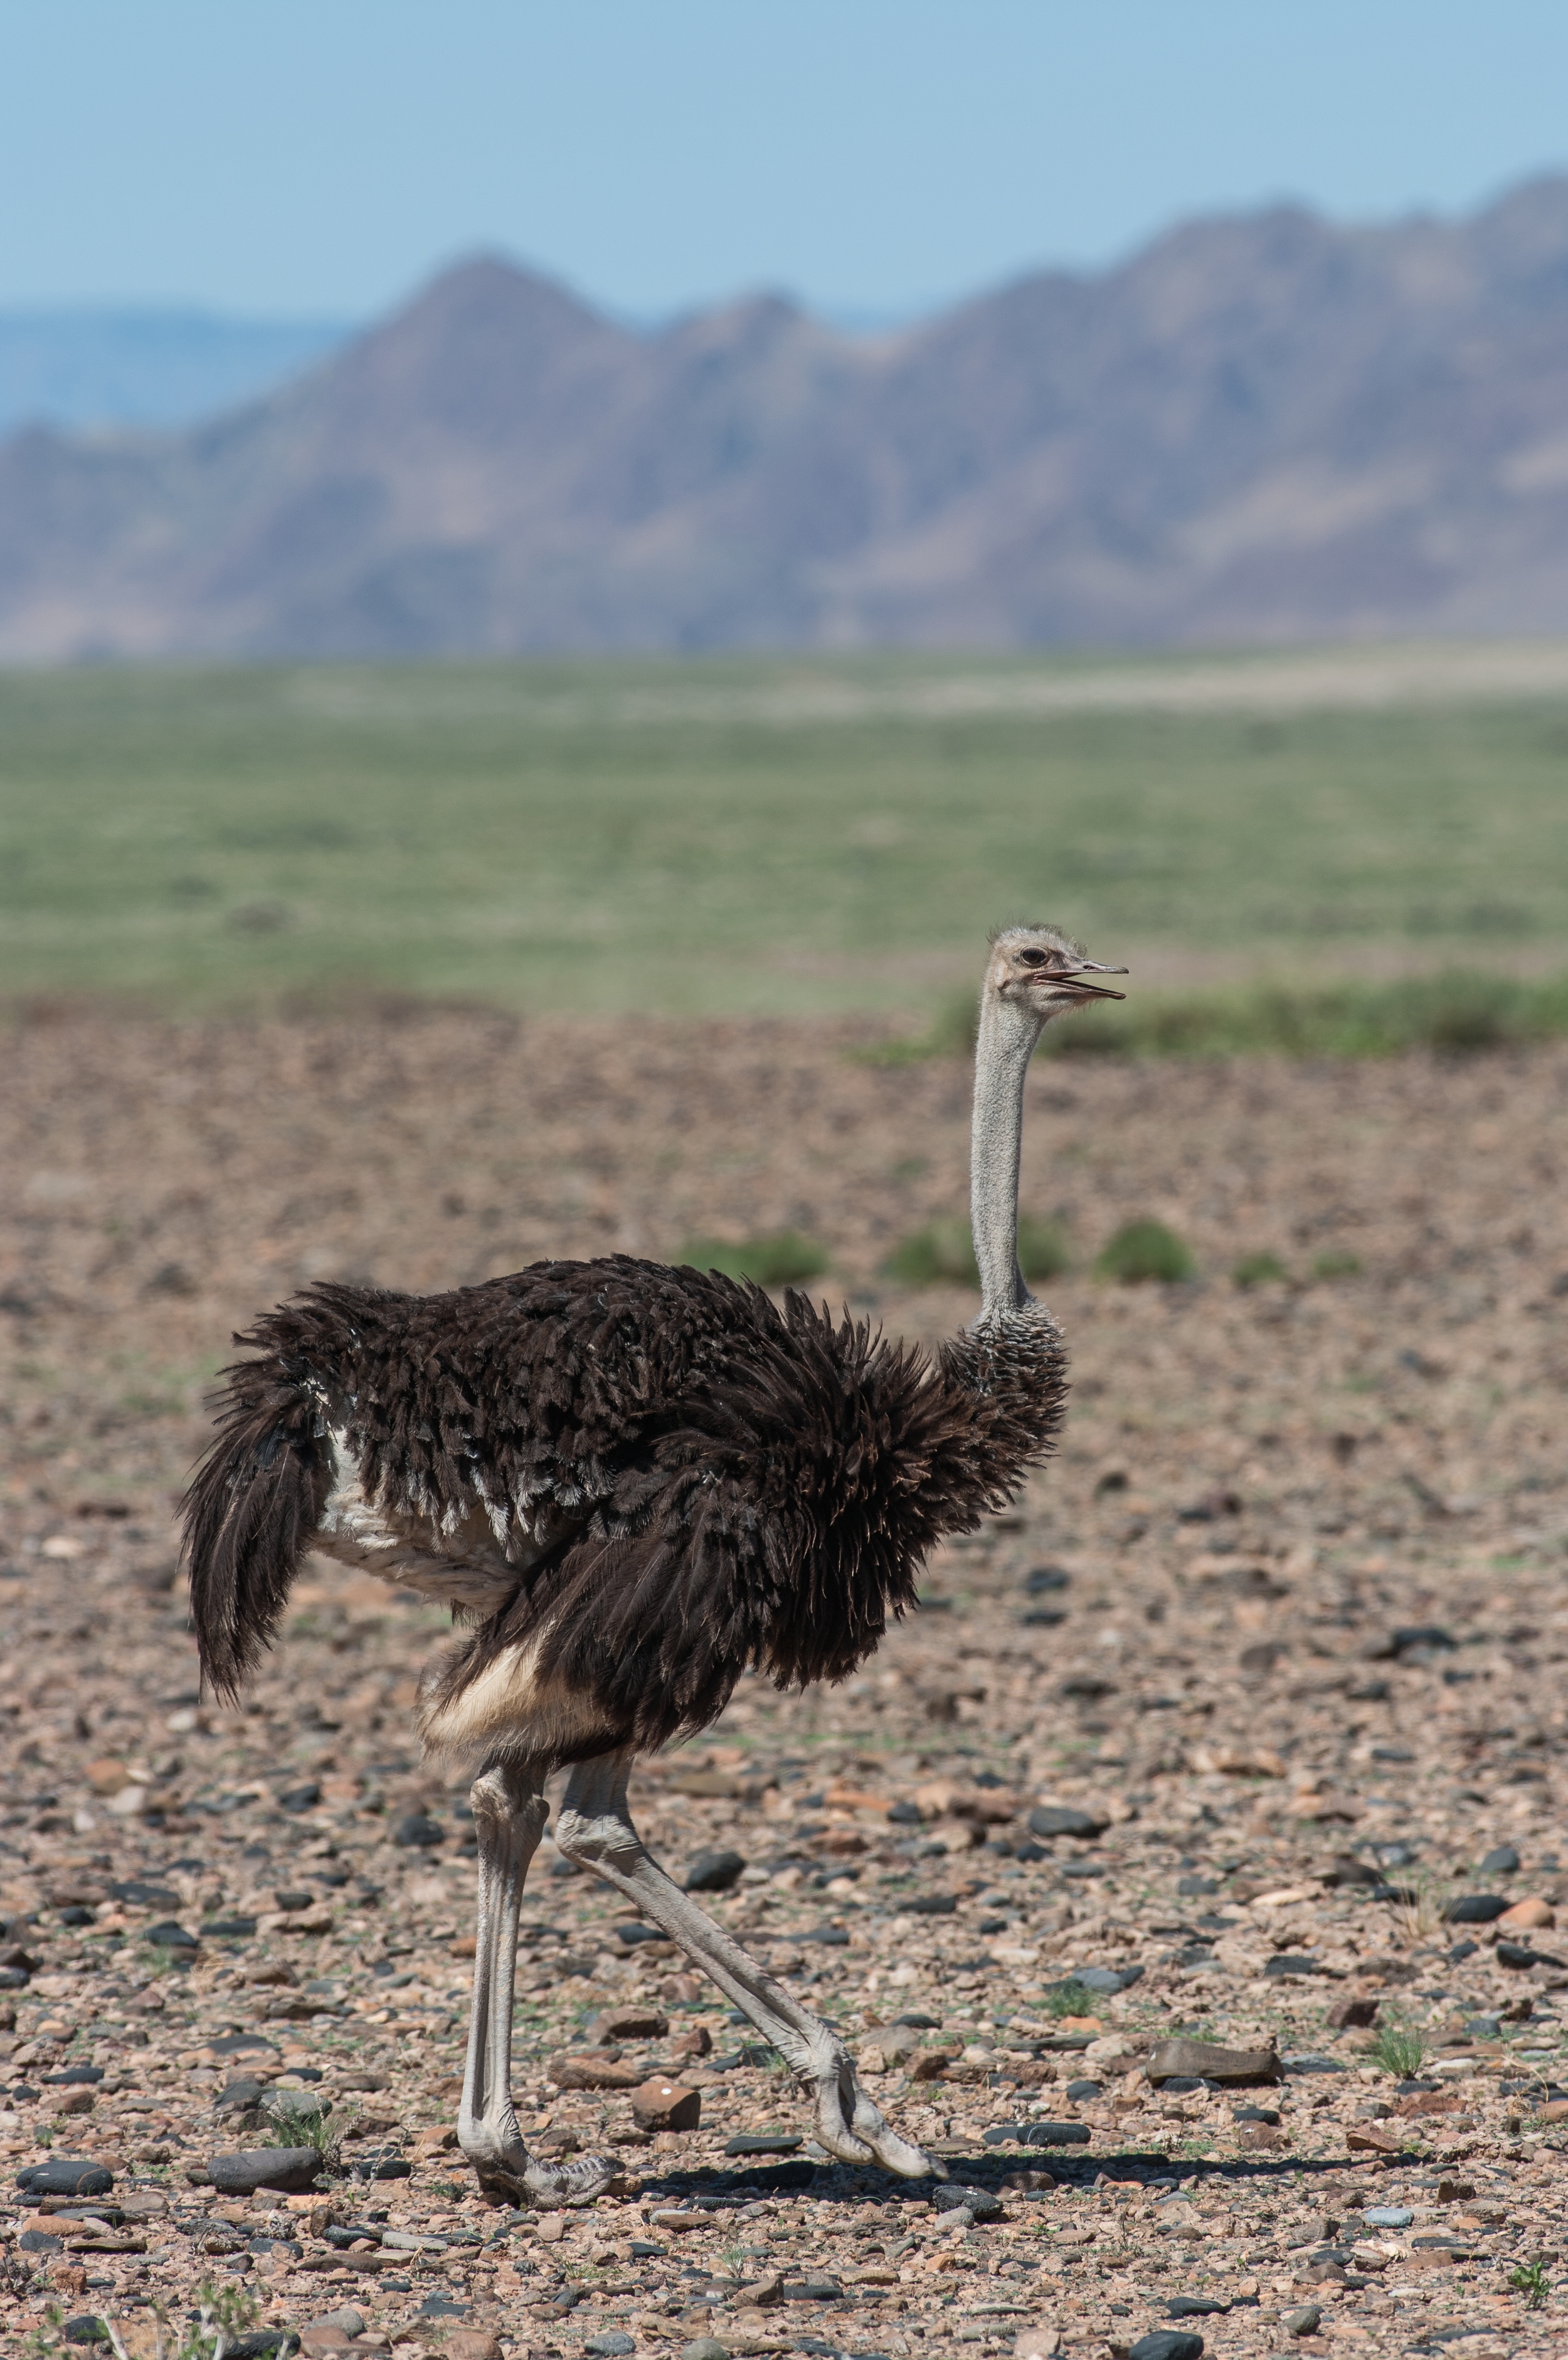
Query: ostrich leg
point(595, 1827)
point(510, 1813)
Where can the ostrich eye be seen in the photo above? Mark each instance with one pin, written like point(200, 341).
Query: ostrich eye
point(1034, 958)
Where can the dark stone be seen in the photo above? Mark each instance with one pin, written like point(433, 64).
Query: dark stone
point(76, 1913)
point(244, 2044)
point(87, 2329)
point(294, 1900)
point(66, 2176)
point(299, 1798)
point(904, 1815)
point(714, 1872)
point(440, 2306)
point(949, 2195)
point(1078, 2090)
point(1195, 2306)
point(1047, 1578)
point(290, 2169)
point(1520, 1954)
point(1500, 1862)
point(825, 1938)
point(169, 1935)
point(266, 2343)
point(1054, 2135)
point(1290, 1962)
point(1050, 1819)
point(1030, 1851)
point(1424, 1636)
point(813, 2289)
point(1462, 1950)
point(762, 2143)
point(417, 1831)
point(611, 2344)
point(13, 1978)
point(1269, 2114)
point(75, 2077)
point(1308, 2061)
point(384, 2167)
point(927, 1905)
point(920, 2023)
point(1168, 2343)
point(38, 2241)
point(1107, 1980)
point(1191, 1886)
point(1476, 1908)
point(230, 1929)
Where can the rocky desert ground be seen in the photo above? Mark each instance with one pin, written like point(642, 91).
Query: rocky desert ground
point(1246, 1729)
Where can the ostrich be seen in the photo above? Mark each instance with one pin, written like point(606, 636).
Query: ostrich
point(637, 1482)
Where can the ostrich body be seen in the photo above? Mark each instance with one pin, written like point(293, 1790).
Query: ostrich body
point(638, 1482)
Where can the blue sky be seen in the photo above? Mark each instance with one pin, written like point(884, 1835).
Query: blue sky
point(320, 157)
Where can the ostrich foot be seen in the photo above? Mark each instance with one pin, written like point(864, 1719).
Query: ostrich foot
point(508, 2174)
point(852, 2130)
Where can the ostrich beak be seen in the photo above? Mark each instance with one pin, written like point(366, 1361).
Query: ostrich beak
point(1073, 980)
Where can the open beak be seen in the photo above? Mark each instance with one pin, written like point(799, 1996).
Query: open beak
point(1074, 979)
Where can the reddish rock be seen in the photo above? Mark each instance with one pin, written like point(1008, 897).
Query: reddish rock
point(664, 2105)
point(1349, 2014)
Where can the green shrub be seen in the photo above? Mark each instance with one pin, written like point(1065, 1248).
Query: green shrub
point(1258, 1270)
point(1070, 1998)
point(1336, 1264)
point(785, 1260)
point(1144, 1249)
point(942, 1254)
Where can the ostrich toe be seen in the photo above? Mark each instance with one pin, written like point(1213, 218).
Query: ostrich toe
point(853, 2129)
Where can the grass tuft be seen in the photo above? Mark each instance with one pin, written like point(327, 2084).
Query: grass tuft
point(1398, 2049)
point(1142, 1250)
point(1258, 1270)
point(1070, 1998)
point(783, 1260)
point(942, 1254)
point(1336, 1264)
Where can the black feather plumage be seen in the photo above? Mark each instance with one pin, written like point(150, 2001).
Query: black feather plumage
point(720, 1484)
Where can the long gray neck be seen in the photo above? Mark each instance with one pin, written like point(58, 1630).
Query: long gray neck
point(1001, 1058)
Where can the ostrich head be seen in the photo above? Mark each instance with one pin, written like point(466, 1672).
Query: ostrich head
point(1033, 974)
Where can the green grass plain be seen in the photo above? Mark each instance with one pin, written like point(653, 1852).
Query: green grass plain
point(718, 836)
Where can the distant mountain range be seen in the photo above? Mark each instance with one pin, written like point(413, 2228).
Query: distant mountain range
point(1259, 428)
point(104, 369)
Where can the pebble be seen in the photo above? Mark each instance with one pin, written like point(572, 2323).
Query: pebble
point(1534, 1912)
point(66, 2176)
point(1209, 2061)
point(290, 2170)
point(1304, 2321)
point(701, 2347)
point(1168, 2343)
point(1057, 1819)
point(1501, 1861)
point(1476, 1908)
point(714, 1872)
point(416, 1831)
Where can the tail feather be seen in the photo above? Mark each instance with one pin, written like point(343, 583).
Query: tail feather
point(252, 1507)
